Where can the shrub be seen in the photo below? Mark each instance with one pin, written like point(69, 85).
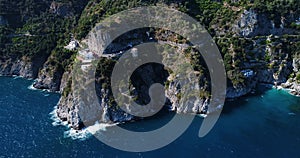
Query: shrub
point(298, 78)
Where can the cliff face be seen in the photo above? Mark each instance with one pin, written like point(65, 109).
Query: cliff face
point(21, 66)
point(266, 50)
point(11, 67)
point(199, 105)
point(294, 82)
point(70, 105)
point(32, 34)
point(49, 78)
point(251, 24)
point(69, 109)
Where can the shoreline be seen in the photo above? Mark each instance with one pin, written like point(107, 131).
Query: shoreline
point(280, 87)
point(288, 90)
point(82, 134)
point(87, 132)
point(31, 87)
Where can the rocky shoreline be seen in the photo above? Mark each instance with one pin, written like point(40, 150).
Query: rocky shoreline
point(68, 107)
point(292, 87)
point(260, 56)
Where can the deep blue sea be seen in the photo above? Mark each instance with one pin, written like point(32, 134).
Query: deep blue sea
point(264, 124)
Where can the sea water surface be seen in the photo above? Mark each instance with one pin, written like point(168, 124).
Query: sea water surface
point(264, 124)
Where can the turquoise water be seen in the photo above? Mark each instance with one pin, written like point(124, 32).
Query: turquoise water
point(265, 124)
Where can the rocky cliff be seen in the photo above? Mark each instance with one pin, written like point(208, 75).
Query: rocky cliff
point(10, 67)
point(258, 45)
point(293, 83)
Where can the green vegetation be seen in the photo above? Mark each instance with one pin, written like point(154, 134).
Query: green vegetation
point(179, 96)
point(62, 58)
point(38, 37)
point(104, 70)
point(295, 26)
point(204, 94)
point(4, 37)
point(96, 10)
point(67, 90)
point(298, 77)
point(36, 33)
point(16, 12)
point(276, 7)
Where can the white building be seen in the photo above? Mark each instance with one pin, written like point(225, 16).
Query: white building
point(72, 45)
point(248, 73)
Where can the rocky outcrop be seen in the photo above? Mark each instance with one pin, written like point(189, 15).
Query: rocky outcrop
point(67, 8)
point(294, 83)
point(73, 110)
point(66, 77)
point(61, 9)
point(49, 78)
point(251, 23)
point(247, 23)
point(293, 86)
point(272, 76)
point(196, 106)
point(18, 67)
point(279, 65)
point(235, 92)
point(67, 110)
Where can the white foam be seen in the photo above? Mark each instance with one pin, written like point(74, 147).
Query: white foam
point(31, 87)
point(288, 90)
point(70, 133)
point(16, 77)
point(46, 90)
point(78, 134)
point(54, 118)
point(86, 132)
point(99, 127)
point(202, 115)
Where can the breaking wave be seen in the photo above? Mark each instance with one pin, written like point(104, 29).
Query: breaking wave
point(83, 134)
